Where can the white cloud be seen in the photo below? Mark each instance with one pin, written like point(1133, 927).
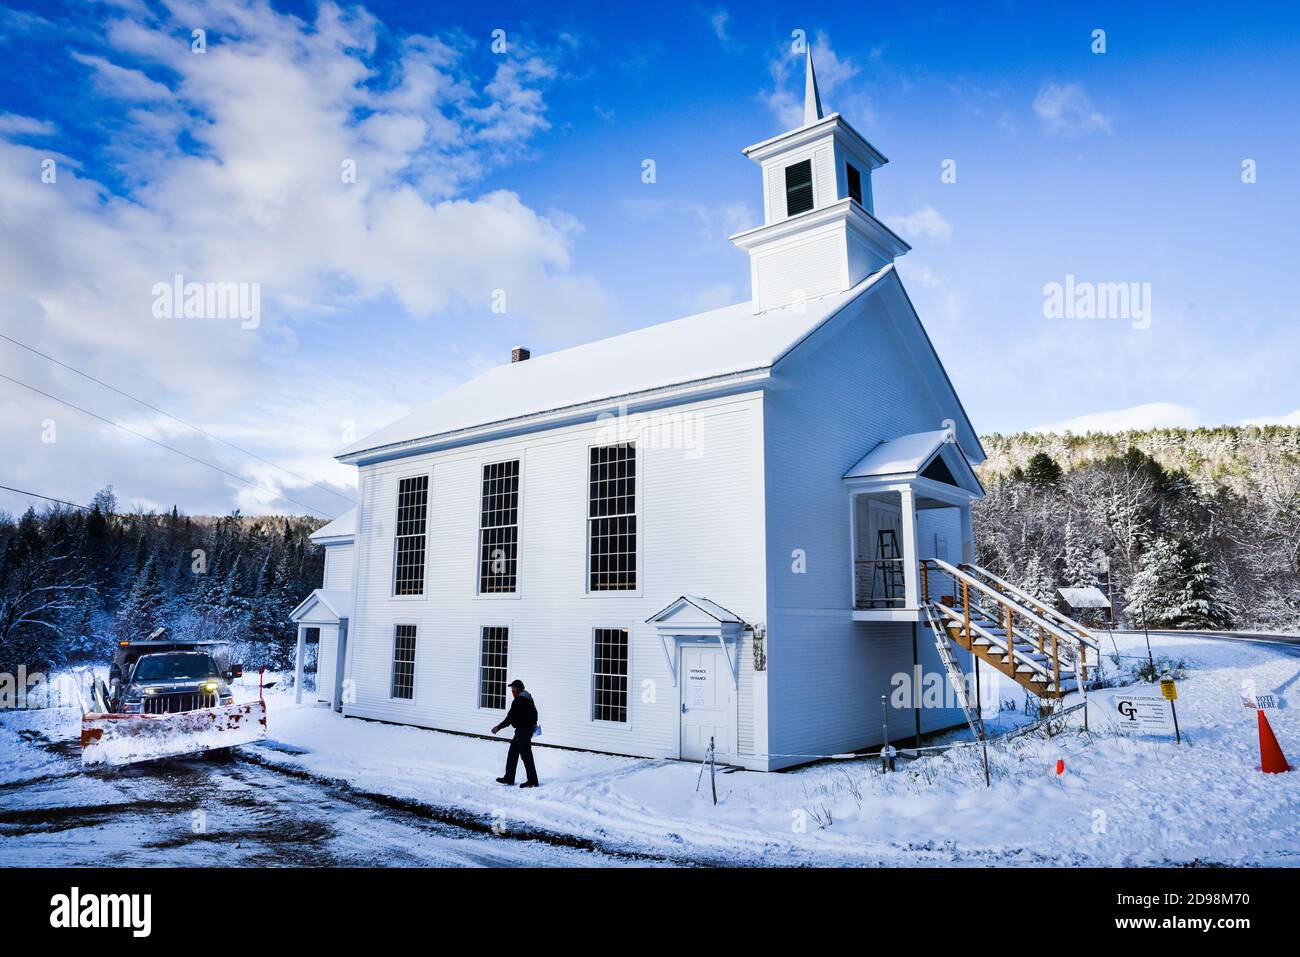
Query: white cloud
point(720, 20)
point(927, 222)
point(1151, 415)
point(1291, 418)
point(715, 297)
point(14, 124)
point(121, 82)
point(276, 106)
point(1065, 109)
point(718, 222)
point(834, 75)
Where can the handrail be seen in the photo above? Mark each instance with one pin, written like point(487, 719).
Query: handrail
point(1083, 634)
point(978, 628)
point(1003, 600)
point(864, 584)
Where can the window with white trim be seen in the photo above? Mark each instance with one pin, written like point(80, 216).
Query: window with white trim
point(611, 518)
point(609, 675)
point(499, 528)
point(404, 661)
point(494, 647)
point(412, 516)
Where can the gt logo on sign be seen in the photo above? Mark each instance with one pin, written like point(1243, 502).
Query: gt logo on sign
point(1141, 714)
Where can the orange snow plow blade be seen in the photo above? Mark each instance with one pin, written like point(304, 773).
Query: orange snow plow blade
point(126, 738)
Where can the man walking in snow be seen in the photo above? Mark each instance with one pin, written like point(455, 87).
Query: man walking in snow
point(522, 716)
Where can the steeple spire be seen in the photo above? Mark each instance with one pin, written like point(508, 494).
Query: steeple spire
point(820, 234)
point(812, 101)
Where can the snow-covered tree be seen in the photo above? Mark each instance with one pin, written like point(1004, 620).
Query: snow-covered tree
point(1037, 580)
point(1077, 570)
point(1200, 603)
point(1153, 592)
point(142, 611)
point(1174, 587)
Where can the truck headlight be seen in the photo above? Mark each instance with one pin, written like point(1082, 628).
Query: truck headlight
point(210, 687)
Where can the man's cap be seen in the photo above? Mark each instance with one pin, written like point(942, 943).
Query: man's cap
point(517, 684)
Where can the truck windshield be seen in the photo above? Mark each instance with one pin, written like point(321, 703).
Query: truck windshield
point(174, 667)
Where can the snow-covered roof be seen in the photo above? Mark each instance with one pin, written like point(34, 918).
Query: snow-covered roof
point(905, 455)
point(337, 603)
point(710, 608)
point(342, 529)
point(930, 456)
point(710, 345)
point(1089, 596)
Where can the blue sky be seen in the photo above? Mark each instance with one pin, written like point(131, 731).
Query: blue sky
point(521, 170)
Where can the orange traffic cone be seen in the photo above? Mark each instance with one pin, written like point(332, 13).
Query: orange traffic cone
point(1271, 758)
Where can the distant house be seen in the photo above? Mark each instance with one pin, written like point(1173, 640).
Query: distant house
point(709, 530)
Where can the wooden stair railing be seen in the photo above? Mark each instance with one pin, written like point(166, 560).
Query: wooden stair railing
point(1046, 611)
point(992, 634)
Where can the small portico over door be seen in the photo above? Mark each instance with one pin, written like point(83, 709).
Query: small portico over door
point(701, 642)
point(886, 489)
point(328, 611)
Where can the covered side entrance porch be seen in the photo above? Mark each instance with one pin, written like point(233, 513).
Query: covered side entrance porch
point(888, 489)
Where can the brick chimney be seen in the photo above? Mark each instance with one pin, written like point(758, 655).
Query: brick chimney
point(519, 354)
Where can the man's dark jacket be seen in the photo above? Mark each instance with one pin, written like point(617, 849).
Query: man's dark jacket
point(522, 716)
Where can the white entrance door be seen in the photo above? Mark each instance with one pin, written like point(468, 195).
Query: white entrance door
point(708, 702)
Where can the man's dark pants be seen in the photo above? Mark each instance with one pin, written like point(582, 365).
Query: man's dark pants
point(521, 747)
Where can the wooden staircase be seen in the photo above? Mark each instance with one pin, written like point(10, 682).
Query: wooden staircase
point(1031, 643)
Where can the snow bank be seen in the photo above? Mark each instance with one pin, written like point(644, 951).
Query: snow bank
point(22, 756)
point(1120, 802)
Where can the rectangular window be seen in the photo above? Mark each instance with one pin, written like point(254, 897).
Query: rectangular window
point(609, 688)
point(611, 518)
point(404, 661)
point(499, 528)
point(492, 668)
point(412, 513)
point(798, 188)
point(854, 180)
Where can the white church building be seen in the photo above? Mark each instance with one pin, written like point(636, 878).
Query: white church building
point(709, 530)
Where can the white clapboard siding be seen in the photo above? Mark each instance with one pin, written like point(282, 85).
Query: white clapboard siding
point(698, 511)
point(338, 568)
point(854, 384)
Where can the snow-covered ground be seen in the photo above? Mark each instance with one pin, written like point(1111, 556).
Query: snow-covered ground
point(1120, 802)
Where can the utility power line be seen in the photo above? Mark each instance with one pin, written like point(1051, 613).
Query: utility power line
point(188, 425)
point(164, 445)
point(23, 491)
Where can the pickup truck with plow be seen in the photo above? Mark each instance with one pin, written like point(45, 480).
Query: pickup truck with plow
point(166, 698)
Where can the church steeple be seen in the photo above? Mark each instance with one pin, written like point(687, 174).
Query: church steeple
point(812, 100)
point(820, 234)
